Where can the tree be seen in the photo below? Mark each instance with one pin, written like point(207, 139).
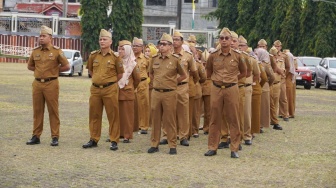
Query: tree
point(246, 17)
point(326, 34)
point(308, 22)
point(94, 18)
point(291, 26)
point(280, 14)
point(127, 19)
point(226, 13)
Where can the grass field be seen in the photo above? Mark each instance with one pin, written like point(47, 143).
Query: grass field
point(302, 155)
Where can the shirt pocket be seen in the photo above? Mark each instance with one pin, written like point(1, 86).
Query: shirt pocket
point(95, 67)
point(156, 66)
point(110, 69)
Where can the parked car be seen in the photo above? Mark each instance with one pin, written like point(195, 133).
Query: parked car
point(326, 73)
point(311, 63)
point(76, 62)
point(303, 75)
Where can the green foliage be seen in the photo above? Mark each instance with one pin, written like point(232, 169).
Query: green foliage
point(246, 16)
point(94, 18)
point(281, 8)
point(200, 39)
point(226, 13)
point(126, 19)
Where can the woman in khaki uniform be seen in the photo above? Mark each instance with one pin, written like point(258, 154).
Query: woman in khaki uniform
point(127, 84)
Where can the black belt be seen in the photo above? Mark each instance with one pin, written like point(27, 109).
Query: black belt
point(246, 85)
point(241, 86)
point(45, 79)
point(181, 83)
point(143, 79)
point(223, 87)
point(103, 86)
point(163, 90)
point(276, 83)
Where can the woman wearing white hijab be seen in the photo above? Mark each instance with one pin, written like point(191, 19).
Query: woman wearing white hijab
point(127, 84)
point(265, 118)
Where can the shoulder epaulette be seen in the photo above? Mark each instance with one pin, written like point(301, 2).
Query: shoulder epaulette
point(253, 57)
point(93, 52)
point(37, 47)
point(245, 53)
point(155, 55)
point(214, 51)
point(176, 56)
point(236, 51)
point(271, 55)
point(56, 47)
point(116, 54)
point(189, 52)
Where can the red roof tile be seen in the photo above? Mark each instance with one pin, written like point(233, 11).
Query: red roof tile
point(41, 7)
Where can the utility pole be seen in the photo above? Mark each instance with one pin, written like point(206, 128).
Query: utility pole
point(65, 8)
point(179, 13)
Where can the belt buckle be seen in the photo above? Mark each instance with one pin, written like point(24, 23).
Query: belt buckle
point(161, 90)
point(42, 80)
point(223, 87)
point(101, 86)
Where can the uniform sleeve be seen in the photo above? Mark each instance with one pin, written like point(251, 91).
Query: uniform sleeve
point(287, 64)
point(256, 69)
point(150, 67)
point(209, 66)
point(248, 64)
point(89, 64)
point(136, 76)
point(270, 74)
point(202, 74)
point(31, 61)
point(192, 64)
point(180, 69)
point(62, 59)
point(263, 75)
point(119, 66)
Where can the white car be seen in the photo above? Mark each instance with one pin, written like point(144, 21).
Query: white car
point(75, 60)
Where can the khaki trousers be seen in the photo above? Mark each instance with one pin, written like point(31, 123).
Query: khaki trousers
point(48, 93)
point(294, 96)
point(150, 104)
point(136, 116)
point(224, 101)
point(163, 110)
point(191, 112)
point(206, 104)
point(182, 111)
point(196, 116)
point(283, 104)
point(142, 96)
point(247, 113)
point(255, 119)
point(241, 109)
point(265, 109)
point(275, 97)
point(104, 97)
point(289, 94)
point(126, 116)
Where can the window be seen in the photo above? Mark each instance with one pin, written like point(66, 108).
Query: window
point(73, 1)
point(156, 2)
point(214, 3)
point(190, 1)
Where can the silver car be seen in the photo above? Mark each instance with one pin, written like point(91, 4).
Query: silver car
point(75, 60)
point(326, 73)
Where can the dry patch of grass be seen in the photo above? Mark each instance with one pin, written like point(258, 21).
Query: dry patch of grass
point(302, 155)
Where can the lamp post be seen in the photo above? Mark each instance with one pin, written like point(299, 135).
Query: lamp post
point(65, 8)
point(332, 2)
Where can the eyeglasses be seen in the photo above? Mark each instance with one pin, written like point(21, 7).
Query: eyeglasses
point(242, 45)
point(137, 46)
point(176, 39)
point(226, 38)
point(164, 44)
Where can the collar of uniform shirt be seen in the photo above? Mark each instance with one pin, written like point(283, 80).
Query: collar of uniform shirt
point(109, 52)
point(180, 53)
point(221, 52)
point(46, 48)
point(164, 57)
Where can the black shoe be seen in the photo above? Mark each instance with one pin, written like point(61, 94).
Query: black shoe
point(277, 127)
point(206, 133)
point(126, 141)
point(184, 142)
point(90, 144)
point(291, 116)
point(34, 140)
point(223, 145)
point(285, 119)
point(279, 116)
point(163, 142)
point(248, 142)
point(172, 151)
point(261, 130)
point(201, 128)
point(210, 153)
point(153, 150)
point(143, 132)
point(108, 140)
point(114, 146)
point(54, 142)
point(234, 154)
point(240, 147)
point(195, 135)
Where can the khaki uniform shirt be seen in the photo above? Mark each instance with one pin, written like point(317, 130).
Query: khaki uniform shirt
point(127, 92)
point(255, 70)
point(202, 76)
point(224, 68)
point(46, 61)
point(270, 75)
point(285, 58)
point(188, 63)
point(247, 62)
point(105, 68)
point(165, 70)
point(143, 64)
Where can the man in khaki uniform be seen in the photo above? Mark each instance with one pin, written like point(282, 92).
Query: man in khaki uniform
point(142, 92)
point(163, 70)
point(283, 58)
point(182, 110)
point(275, 92)
point(223, 66)
point(250, 80)
point(46, 61)
point(206, 90)
point(106, 69)
point(262, 44)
